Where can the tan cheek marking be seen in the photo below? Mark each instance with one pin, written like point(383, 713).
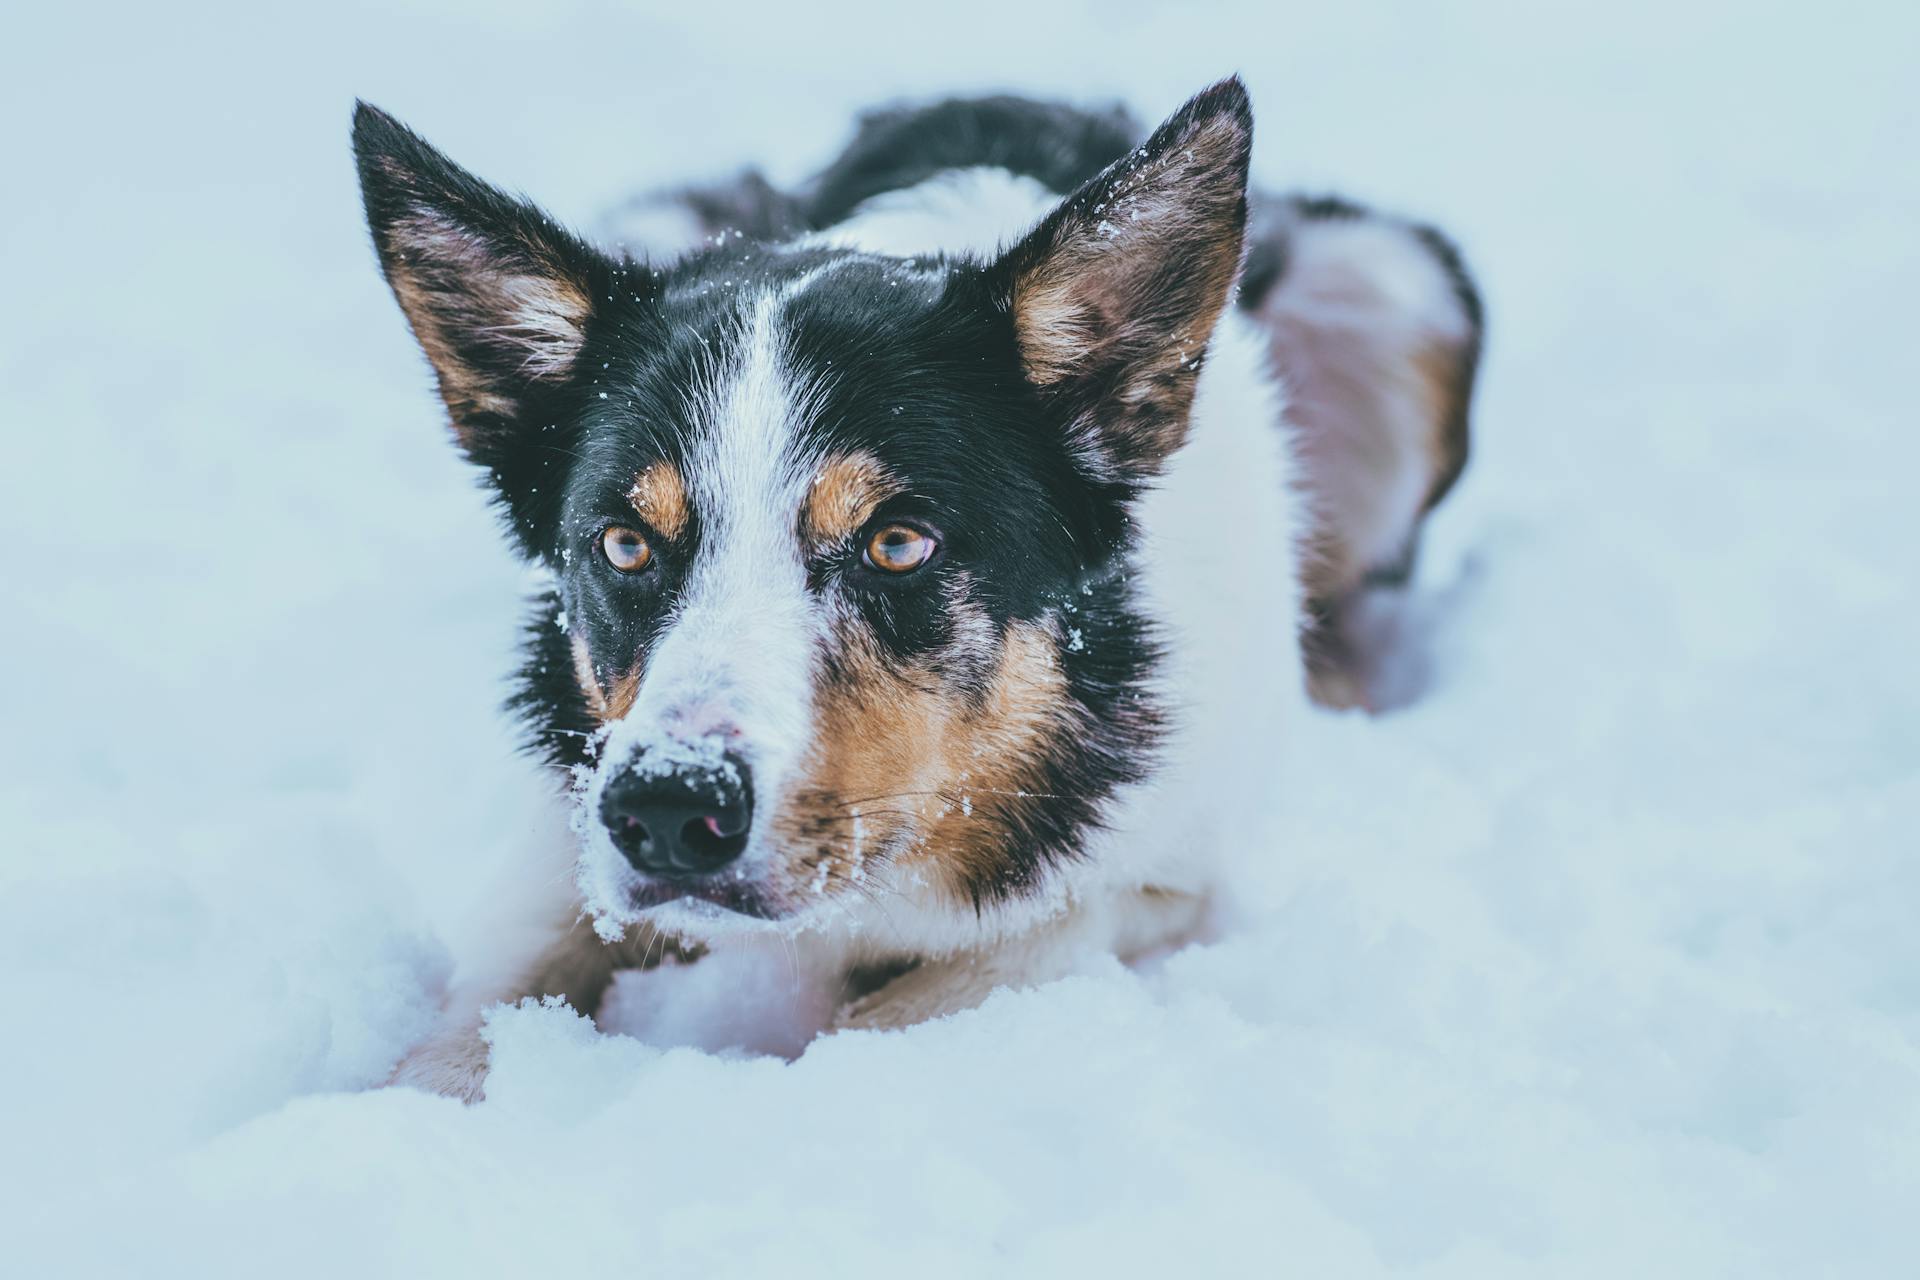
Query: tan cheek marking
point(843, 496)
point(925, 763)
point(877, 738)
point(606, 704)
point(998, 753)
point(660, 498)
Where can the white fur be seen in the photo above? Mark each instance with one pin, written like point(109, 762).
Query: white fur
point(1360, 302)
point(734, 667)
point(1230, 623)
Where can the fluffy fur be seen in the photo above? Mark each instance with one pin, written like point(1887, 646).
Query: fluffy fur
point(1001, 330)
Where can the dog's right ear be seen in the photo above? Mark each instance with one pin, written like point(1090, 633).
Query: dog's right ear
point(1115, 295)
point(498, 295)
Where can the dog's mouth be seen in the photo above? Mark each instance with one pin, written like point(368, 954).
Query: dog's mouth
point(739, 897)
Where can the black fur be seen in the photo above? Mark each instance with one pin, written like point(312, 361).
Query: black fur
point(1062, 147)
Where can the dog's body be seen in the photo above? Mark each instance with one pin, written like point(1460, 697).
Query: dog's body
point(929, 565)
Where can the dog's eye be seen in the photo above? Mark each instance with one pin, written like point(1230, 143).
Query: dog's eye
point(625, 549)
point(899, 548)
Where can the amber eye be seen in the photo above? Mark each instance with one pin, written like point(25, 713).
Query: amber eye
point(899, 548)
point(625, 549)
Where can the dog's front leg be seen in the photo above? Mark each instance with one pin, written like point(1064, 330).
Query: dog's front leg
point(1127, 925)
point(574, 963)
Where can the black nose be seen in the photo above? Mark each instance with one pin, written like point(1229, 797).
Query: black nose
point(681, 822)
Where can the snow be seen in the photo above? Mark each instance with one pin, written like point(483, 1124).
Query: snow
point(1594, 959)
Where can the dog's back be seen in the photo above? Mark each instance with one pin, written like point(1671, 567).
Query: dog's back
point(894, 148)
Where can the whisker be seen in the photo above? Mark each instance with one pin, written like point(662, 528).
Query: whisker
point(869, 813)
point(867, 892)
point(951, 798)
point(793, 959)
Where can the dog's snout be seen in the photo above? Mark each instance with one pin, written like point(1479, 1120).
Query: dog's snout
point(682, 822)
point(702, 720)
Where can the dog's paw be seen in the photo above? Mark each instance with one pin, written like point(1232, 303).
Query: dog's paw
point(1336, 688)
point(919, 995)
point(869, 1013)
point(453, 1066)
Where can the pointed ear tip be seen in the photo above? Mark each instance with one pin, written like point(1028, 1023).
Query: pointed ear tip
point(370, 125)
point(1222, 112)
point(1226, 97)
point(377, 133)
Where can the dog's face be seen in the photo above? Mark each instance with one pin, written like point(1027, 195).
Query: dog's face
point(838, 541)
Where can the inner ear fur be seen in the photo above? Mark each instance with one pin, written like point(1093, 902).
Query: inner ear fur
point(1114, 296)
point(498, 295)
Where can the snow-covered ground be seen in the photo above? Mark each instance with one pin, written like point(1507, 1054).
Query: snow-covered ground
point(1599, 960)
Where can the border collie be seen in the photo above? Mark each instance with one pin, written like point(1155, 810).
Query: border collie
point(937, 556)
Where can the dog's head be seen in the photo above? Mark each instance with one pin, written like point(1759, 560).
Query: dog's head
point(838, 541)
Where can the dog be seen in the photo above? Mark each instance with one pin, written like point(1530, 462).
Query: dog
point(937, 557)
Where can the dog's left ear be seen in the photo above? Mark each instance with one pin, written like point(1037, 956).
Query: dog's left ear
point(1115, 294)
point(498, 295)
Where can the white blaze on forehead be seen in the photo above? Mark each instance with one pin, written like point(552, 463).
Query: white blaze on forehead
point(740, 639)
point(733, 668)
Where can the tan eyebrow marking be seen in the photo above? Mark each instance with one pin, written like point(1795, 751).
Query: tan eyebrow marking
point(845, 491)
point(660, 497)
